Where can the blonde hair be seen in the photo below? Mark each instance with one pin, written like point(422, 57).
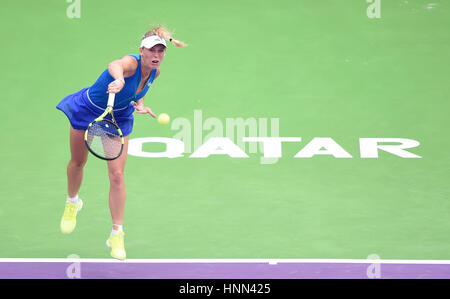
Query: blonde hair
point(165, 34)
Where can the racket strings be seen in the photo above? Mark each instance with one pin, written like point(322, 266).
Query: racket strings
point(104, 139)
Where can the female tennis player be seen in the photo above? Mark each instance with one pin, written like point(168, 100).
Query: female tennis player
point(129, 78)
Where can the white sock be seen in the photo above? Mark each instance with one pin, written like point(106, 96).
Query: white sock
point(119, 229)
point(74, 199)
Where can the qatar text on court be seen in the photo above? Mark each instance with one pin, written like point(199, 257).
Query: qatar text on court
point(272, 147)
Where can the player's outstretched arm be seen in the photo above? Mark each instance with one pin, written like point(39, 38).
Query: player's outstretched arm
point(118, 69)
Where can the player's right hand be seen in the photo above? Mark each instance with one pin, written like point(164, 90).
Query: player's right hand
point(116, 86)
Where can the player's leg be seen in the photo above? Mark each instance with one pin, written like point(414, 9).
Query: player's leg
point(117, 191)
point(79, 155)
point(117, 197)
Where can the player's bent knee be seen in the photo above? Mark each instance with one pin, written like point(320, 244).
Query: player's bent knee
point(77, 163)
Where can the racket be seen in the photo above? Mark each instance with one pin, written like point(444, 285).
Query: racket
point(103, 137)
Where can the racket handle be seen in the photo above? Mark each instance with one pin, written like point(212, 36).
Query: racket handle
point(111, 98)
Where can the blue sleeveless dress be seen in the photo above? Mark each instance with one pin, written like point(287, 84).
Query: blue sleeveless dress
point(83, 106)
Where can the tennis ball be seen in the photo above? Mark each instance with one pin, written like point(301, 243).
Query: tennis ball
point(163, 119)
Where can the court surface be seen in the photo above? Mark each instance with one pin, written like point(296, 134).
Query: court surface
point(326, 73)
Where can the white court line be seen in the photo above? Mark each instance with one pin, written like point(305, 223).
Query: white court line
point(190, 261)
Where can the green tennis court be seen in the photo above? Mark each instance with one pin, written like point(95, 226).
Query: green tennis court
point(315, 70)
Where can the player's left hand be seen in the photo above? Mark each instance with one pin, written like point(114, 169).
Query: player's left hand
point(143, 110)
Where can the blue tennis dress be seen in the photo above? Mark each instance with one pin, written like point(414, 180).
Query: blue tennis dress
point(83, 106)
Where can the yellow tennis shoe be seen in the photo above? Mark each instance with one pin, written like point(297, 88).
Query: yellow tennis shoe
point(116, 243)
point(69, 219)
